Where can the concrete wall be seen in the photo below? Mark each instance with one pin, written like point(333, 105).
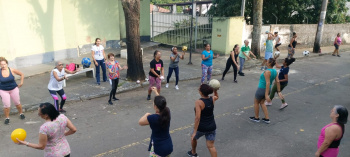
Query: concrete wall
point(306, 34)
point(226, 33)
point(41, 31)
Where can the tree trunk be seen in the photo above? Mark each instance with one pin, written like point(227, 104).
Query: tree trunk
point(319, 32)
point(132, 22)
point(257, 23)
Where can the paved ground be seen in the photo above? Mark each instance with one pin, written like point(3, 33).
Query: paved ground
point(316, 84)
point(83, 88)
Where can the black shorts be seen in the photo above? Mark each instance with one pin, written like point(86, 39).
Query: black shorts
point(336, 46)
point(277, 45)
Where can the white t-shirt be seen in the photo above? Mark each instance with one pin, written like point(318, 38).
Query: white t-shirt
point(98, 52)
point(53, 83)
point(277, 38)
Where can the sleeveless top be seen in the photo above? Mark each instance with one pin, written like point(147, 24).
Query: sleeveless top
point(262, 81)
point(7, 83)
point(269, 46)
point(230, 58)
point(207, 122)
point(338, 40)
point(332, 150)
point(294, 44)
point(55, 85)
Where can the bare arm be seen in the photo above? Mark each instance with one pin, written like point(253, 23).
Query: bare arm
point(183, 55)
point(104, 55)
point(198, 116)
point(19, 73)
point(71, 127)
point(285, 78)
point(154, 72)
point(143, 120)
point(57, 78)
point(216, 95)
point(267, 75)
point(162, 73)
point(205, 58)
point(330, 135)
point(277, 65)
point(41, 145)
point(93, 56)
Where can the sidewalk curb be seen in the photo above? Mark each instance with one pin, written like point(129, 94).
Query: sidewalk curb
point(133, 85)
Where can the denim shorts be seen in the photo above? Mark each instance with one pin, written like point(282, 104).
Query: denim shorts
point(268, 55)
point(336, 46)
point(209, 136)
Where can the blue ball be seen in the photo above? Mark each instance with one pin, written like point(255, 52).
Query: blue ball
point(86, 62)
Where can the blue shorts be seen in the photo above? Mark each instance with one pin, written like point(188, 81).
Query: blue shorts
point(336, 46)
point(209, 136)
point(268, 55)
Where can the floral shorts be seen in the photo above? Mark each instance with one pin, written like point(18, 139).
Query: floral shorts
point(152, 154)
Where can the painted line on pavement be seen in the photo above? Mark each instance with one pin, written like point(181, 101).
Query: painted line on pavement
point(216, 117)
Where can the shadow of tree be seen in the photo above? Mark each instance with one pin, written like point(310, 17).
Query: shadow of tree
point(42, 22)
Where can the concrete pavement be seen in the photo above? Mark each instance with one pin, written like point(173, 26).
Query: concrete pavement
point(82, 88)
point(316, 84)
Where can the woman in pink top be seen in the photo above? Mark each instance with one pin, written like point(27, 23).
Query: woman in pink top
point(52, 134)
point(337, 43)
point(331, 134)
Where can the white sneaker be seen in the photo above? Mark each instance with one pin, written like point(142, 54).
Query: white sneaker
point(268, 104)
point(283, 106)
point(177, 87)
point(167, 85)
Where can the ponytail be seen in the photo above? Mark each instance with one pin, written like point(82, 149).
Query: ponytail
point(164, 111)
point(165, 117)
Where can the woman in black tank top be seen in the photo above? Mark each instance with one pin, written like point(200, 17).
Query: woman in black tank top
point(232, 62)
point(204, 123)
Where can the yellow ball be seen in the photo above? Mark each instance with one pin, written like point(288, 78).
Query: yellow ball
point(18, 133)
point(264, 44)
point(184, 48)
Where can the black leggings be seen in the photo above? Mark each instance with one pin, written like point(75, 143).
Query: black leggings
point(67, 155)
point(55, 98)
point(228, 65)
point(176, 74)
point(114, 88)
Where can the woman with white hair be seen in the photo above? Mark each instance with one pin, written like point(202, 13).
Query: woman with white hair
point(58, 74)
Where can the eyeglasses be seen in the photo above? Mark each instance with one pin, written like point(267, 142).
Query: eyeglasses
point(60, 64)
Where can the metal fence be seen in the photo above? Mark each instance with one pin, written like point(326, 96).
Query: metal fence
point(175, 29)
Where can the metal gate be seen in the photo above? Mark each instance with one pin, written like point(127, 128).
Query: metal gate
point(175, 29)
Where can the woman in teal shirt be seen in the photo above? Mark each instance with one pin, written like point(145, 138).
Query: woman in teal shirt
point(207, 63)
point(262, 93)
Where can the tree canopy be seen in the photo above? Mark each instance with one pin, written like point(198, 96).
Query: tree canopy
point(287, 12)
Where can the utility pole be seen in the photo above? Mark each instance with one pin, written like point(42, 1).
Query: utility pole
point(242, 7)
point(320, 25)
point(257, 24)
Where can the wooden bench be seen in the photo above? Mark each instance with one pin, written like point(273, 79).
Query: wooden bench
point(90, 72)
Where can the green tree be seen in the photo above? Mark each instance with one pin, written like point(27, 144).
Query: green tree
point(288, 12)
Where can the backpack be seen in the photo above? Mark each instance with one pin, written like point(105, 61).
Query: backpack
point(71, 67)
